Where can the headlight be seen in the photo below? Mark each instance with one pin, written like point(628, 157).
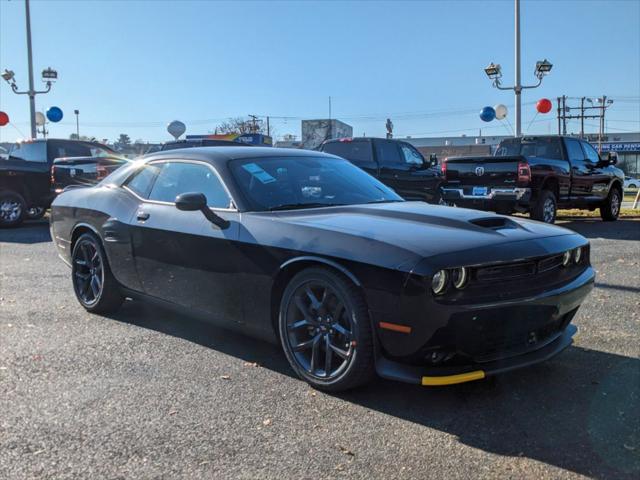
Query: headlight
point(577, 255)
point(439, 282)
point(460, 277)
point(566, 258)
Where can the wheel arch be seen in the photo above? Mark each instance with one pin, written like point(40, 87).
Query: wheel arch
point(292, 267)
point(553, 184)
point(79, 229)
point(616, 183)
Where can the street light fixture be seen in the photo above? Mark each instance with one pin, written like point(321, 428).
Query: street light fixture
point(543, 68)
point(493, 71)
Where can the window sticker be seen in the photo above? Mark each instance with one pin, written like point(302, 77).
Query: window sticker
point(258, 172)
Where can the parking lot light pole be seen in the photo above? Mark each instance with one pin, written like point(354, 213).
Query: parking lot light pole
point(494, 72)
point(48, 75)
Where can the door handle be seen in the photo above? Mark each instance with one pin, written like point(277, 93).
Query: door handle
point(142, 216)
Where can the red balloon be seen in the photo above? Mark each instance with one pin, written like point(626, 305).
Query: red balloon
point(4, 119)
point(544, 105)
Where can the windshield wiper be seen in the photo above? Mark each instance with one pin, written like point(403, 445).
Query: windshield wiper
point(298, 206)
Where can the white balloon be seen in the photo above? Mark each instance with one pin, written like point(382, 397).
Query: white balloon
point(176, 128)
point(501, 111)
point(40, 119)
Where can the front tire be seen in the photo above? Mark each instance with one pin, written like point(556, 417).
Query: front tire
point(12, 209)
point(610, 209)
point(35, 213)
point(546, 208)
point(95, 287)
point(325, 330)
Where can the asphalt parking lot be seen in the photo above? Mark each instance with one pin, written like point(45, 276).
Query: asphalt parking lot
point(149, 394)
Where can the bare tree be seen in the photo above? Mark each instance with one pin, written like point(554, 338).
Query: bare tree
point(240, 125)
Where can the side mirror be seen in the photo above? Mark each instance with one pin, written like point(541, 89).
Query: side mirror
point(190, 202)
point(433, 158)
point(612, 158)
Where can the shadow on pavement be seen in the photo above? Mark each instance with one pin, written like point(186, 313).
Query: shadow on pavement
point(579, 411)
point(30, 232)
point(621, 229)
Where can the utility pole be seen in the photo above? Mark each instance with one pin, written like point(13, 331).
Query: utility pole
point(77, 112)
point(268, 130)
point(32, 93)
point(563, 115)
point(517, 88)
point(254, 127)
point(582, 117)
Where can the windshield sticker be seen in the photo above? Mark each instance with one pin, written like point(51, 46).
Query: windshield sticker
point(258, 172)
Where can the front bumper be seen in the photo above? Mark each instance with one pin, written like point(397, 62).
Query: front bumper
point(546, 333)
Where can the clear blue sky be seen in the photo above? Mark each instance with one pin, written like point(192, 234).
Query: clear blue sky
point(134, 66)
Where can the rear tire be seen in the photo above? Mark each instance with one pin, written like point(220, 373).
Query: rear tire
point(325, 330)
point(95, 287)
point(12, 209)
point(610, 209)
point(546, 208)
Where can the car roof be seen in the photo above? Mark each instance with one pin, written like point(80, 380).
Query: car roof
point(221, 155)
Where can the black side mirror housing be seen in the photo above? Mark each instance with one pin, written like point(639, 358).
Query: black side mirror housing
point(191, 202)
point(433, 159)
point(612, 158)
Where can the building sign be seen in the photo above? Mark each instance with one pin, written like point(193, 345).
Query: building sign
point(619, 147)
point(248, 138)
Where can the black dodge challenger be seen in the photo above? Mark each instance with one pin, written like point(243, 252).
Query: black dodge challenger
point(307, 250)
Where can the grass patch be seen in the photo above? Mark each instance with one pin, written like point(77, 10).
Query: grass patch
point(574, 212)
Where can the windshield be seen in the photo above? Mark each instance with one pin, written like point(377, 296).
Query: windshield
point(303, 182)
point(545, 147)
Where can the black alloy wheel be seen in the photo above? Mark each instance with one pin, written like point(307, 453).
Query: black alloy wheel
point(93, 283)
point(610, 209)
point(325, 330)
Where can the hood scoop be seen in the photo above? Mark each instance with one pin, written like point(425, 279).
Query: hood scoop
point(494, 223)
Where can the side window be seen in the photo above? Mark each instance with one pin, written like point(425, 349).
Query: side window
point(30, 151)
point(182, 177)
point(141, 181)
point(590, 153)
point(574, 150)
point(388, 154)
point(356, 151)
point(411, 155)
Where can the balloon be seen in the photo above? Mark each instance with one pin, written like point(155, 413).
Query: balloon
point(4, 119)
point(501, 111)
point(176, 128)
point(54, 114)
point(544, 105)
point(487, 114)
point(40, 119)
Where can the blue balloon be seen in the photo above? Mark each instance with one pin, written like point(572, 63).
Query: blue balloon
point(54, 114)
point(487, 114)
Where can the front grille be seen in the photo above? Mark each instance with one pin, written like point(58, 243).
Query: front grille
point(505, 272)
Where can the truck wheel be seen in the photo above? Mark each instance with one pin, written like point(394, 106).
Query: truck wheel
point(546, 209)
point(12, 209)
point(35, 213)
point(610, 209)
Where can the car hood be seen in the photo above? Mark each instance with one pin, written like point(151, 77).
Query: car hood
point(415, 230)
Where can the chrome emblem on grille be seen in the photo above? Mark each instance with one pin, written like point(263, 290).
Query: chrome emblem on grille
point(479, 171)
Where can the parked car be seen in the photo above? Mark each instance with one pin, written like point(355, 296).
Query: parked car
point(395, 163)
point(25, 176)
point(537, 175)
point(85, 171)
point(305, 249)
point(199, 142)
point(631, 182)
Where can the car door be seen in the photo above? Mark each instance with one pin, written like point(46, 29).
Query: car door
point(598, 179)
point(580, 170)
point(181, 257)
point(30, 162)
point(394, 172)
point(420, 182)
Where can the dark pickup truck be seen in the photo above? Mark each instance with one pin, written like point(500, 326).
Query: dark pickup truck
point(27, 183)
point(537, 175)
point(395, 163)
